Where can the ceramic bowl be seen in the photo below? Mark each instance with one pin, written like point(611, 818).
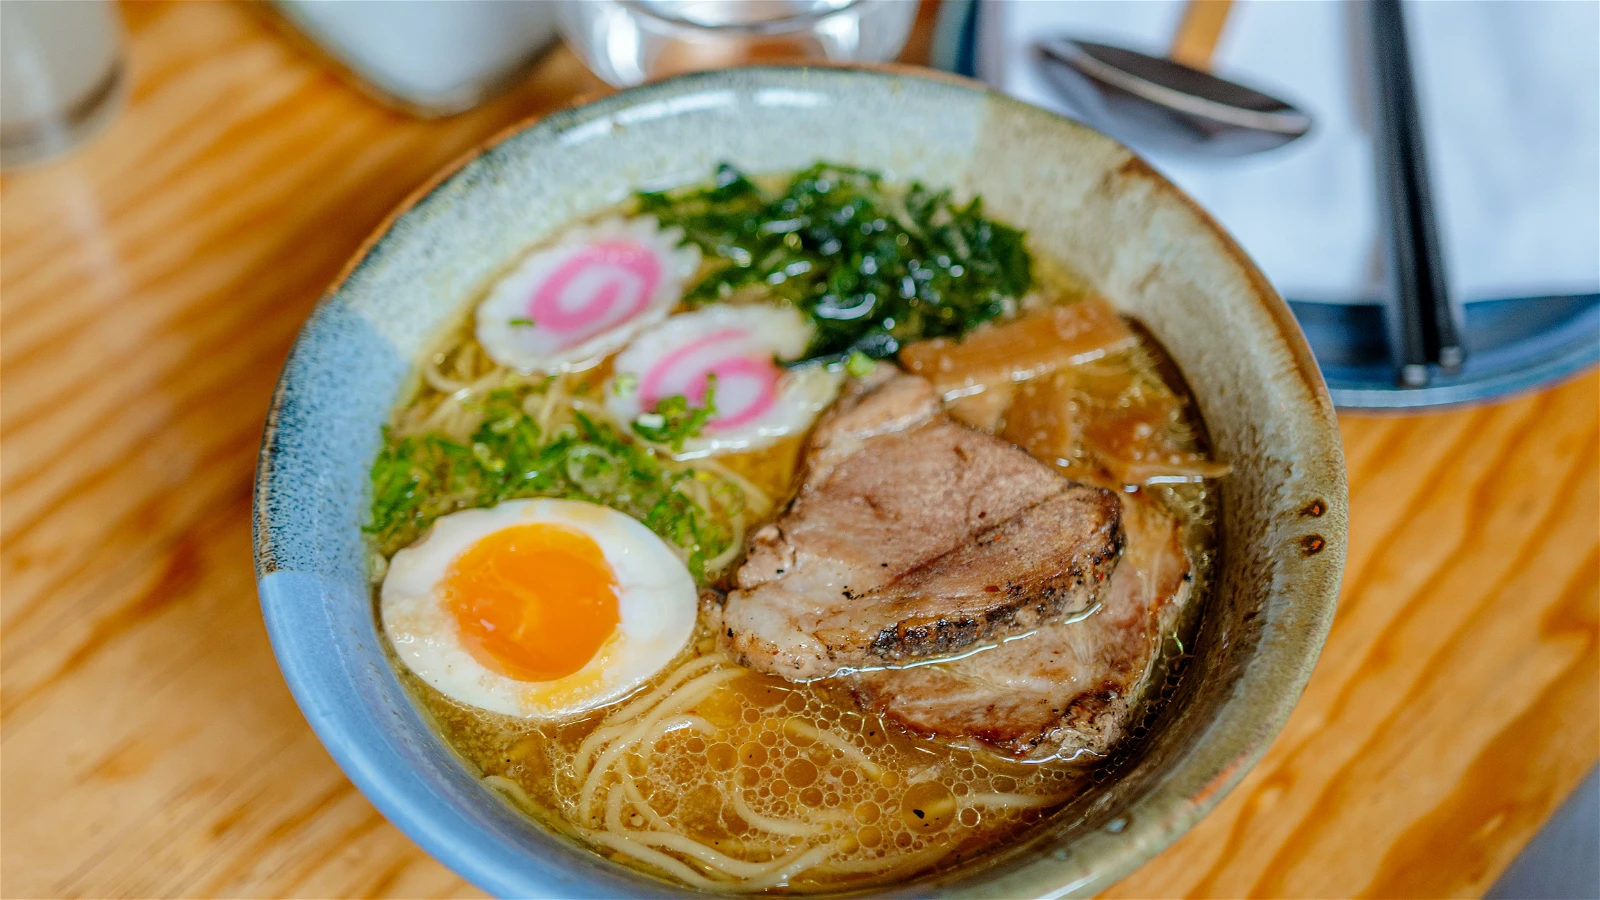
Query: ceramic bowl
point(1080, 195)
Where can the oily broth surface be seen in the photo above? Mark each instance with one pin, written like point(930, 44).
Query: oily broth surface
point(759, 771)
point(780, 769)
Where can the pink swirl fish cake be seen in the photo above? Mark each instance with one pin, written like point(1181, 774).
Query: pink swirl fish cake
point(568, 306)
point(757, 401)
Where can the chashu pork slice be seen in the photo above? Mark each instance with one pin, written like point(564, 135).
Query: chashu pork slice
point(911, 537)
point(1071, 687)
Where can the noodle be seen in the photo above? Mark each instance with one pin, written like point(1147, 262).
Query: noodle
point(756, 500)
point(917, 859)
point(782, 868)
point(632, 845)
point(693, 849)
point(553, 396)
point(850, 751)
point(648, 856)
point(767, 823)
point(613, 815)
point(688, 695)
point(611, 727)
point(438, 381)
point(630, 790)
point(735, 547)
point(677, 723)
point(511, 788)
point(798, 864)
point(679, 676)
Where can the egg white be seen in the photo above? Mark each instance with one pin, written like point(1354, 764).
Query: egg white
point(656, 598)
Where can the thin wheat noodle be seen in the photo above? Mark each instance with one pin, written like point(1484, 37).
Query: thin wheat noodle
point(851, 751)
point(695, 491)
point(735, 547)
point(512, 789)
point(613, 814)
point(886, 865)
point(439, 381)
point(784, 867)
point(676, 723)
point(617, 723)
point(683, 673)
point(801, 863)
point(755, 498)
point(685, 696)
point(441, 418)
point(767, 823)
point(552, 397)
point(585, 406)
point(630, 790)
point(649, 857)
point(690, 694)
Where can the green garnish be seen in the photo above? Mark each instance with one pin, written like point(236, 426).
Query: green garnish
point(522, 322)
point(415, 480)
point(624, 384)
point(872, 266)
point(859, 365)
point(675, 420)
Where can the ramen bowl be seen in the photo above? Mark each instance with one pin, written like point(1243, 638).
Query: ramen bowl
point(1081, 196)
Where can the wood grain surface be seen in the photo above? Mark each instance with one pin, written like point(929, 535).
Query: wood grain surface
point(149, 289)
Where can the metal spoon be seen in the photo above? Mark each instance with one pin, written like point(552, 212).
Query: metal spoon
point(1171, 103)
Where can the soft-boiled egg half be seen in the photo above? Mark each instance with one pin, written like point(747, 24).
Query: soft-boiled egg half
point(538, 608)
point(736, 349)
point(567, 307)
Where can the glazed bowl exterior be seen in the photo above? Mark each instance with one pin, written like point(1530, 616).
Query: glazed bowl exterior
point(1081, 196)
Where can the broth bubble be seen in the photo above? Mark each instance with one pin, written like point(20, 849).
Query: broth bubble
point(928, 807)
point(800, 773)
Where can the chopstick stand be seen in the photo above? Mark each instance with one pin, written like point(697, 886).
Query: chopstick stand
point(1424, 325)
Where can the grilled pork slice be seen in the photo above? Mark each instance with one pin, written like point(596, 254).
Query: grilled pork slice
point(1067, 689)
point(913, 536)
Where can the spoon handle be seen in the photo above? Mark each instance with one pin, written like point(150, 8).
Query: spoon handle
point(1198, 33)
point(1425, 325)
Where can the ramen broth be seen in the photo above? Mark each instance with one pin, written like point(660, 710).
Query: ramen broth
point(718, 776)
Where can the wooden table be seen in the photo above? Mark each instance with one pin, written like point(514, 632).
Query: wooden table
point(151, 286)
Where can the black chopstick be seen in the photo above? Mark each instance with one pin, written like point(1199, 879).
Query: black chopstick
point(1424, 324)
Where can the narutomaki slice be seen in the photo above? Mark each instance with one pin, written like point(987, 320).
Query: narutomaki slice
point(568, 306)
point(733, 352)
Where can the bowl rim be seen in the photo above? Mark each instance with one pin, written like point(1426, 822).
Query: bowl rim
point(1172, 816)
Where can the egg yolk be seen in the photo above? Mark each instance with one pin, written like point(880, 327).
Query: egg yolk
point(534, 602)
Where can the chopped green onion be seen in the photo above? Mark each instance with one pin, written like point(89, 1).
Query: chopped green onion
point(417, 479)
point(675, 420)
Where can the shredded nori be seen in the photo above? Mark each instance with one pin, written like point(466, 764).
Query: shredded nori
point(874, 267)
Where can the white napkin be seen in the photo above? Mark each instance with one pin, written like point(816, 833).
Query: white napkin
point(1510, 97)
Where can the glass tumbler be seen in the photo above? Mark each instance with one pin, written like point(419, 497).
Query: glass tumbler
point(628, 42)
point(60, 75)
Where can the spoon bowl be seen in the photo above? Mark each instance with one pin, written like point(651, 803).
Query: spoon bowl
point(1155, 102)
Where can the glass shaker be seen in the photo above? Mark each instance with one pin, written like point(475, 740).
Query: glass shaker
point(61, 75)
